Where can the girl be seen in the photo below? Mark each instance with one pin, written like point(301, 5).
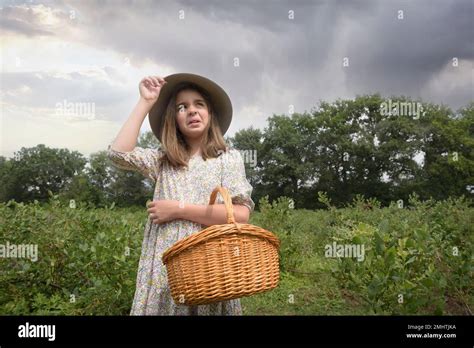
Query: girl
point(189, 115)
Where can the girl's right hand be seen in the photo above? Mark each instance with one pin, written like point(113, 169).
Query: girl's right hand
point(150, 87)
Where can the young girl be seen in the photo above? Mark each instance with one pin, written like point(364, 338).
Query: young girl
point(189, 115)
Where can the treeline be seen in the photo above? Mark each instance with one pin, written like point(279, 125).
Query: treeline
point(39, 173)
point(372, 146)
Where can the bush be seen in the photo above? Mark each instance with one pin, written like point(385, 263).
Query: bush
point(87, 259)
point(417, 258)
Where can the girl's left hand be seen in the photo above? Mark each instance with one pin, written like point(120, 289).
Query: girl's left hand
point(162, 211)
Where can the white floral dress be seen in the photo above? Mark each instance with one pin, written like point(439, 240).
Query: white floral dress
point(192, 185)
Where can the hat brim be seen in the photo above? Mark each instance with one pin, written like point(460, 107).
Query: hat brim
point(219, 98)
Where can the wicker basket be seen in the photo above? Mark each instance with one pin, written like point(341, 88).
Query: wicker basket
point(222, 262)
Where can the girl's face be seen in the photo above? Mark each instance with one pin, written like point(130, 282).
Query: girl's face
point(192, 114)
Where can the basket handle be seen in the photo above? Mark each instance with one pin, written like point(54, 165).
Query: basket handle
point(227, 202)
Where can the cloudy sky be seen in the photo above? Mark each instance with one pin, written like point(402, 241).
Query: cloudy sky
point(266, 54)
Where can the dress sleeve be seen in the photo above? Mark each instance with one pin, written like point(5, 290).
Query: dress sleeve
point(142, 160)
point(235, 180)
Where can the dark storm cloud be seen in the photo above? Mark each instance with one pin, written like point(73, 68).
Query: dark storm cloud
point(302, 57)
point(399, 56)
point(259, 34)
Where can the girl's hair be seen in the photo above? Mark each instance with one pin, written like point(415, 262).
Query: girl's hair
point(176, 150)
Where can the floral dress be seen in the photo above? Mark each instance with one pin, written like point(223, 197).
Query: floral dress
point(192, 185)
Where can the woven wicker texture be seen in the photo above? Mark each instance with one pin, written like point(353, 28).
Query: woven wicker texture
point(222, 262)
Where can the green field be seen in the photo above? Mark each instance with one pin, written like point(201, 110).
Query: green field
point(417, 259)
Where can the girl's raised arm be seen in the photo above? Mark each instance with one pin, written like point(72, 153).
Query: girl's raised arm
point(150, 88)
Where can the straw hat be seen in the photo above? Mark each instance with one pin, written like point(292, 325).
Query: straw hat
point(219, 98)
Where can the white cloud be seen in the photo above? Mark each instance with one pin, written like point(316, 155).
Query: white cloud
point(31, 127)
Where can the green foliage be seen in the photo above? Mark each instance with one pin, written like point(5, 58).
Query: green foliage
point(87, 259)
point(35, 171)
point(417, 259)
point(250, 140)
point(345, 148)
point(324, 199)
point(83, 266)
point(278, 218)
point(351, 147)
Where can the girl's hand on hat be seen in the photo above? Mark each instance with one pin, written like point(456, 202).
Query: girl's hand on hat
point(150, 87)
point(162, 211)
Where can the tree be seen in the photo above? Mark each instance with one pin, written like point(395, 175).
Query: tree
point(92, 185)
point(345, 148)
point(7, 179)
point(148, 140)
point(37, 170)
point(250, 143)
point(448, 144)
point(285, 156)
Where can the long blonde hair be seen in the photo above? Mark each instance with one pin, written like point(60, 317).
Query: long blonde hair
point(176, 150)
